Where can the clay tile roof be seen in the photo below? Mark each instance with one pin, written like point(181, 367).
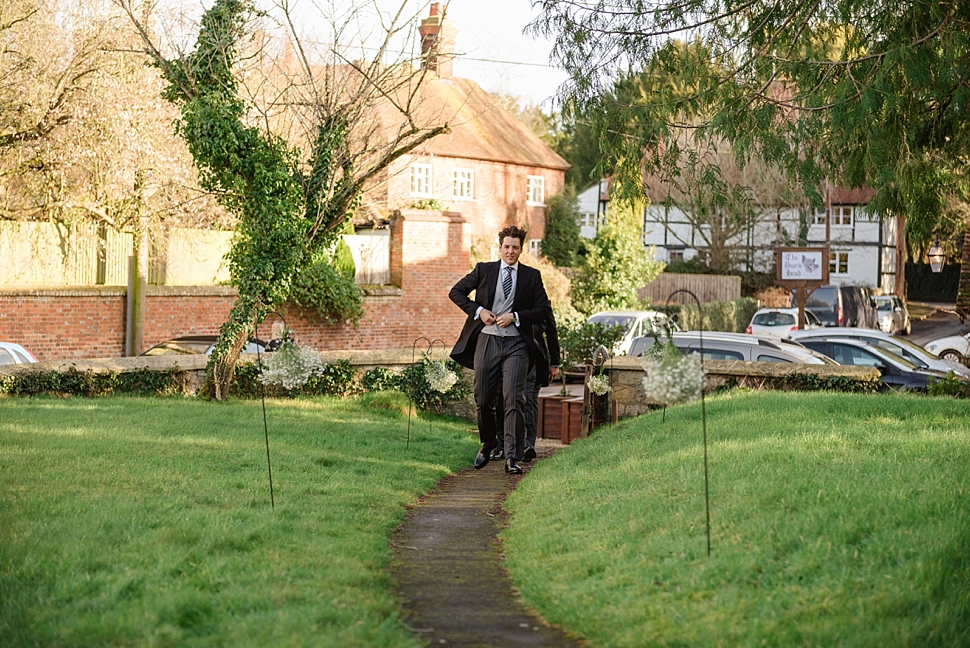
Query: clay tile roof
point(480, 128)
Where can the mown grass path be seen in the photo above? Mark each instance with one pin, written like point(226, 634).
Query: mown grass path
point(448, 572)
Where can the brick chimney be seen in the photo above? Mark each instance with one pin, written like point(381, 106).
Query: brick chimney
point(437, 42)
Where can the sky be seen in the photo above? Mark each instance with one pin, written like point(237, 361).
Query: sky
point(490, 33)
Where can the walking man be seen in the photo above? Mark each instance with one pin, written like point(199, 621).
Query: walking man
point(498, 342)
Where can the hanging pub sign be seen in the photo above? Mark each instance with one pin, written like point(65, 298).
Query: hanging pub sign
point(802, 265)
point(801, 269)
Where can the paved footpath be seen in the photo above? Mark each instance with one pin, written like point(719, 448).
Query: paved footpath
point(448, 571)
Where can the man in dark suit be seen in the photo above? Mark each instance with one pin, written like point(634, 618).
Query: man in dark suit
point(543, 372)
point(498, 342)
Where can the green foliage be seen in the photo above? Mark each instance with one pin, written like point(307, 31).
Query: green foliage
point(327, 292)
point(814, 382)
point(73, 382)
point(431, 204)
point(560, 242)
point(577, 343)
point(379, 379)
point(414, 383)
point(732, 316)
point(616, 264)
point(949, 386)
point(337, 379)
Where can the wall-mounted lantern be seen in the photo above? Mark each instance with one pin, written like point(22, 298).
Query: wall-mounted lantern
point(936, 257)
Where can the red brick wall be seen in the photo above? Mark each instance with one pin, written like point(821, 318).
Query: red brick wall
point(432, 252)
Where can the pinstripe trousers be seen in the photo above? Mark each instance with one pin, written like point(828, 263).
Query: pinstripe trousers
point(501, 367)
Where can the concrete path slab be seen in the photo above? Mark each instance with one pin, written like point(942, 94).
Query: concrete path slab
point(447, 565)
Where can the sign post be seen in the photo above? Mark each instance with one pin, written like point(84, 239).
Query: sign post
point(802, 269)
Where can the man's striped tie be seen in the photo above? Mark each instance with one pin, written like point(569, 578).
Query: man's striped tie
point(507, 281)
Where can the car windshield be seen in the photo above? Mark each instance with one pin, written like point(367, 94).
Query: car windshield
point(884, 303)
point(624, 321)
point(774, 318)
point(184, 348)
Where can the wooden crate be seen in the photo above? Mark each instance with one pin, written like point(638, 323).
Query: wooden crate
point(549, 425)
point(572, 416)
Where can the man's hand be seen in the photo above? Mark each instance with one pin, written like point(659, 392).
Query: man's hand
point(508, 319)
point(487, 316)
point(554, 372)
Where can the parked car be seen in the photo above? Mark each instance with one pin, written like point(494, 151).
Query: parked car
point(893, 315)
point(843, 306)
point(780, 322)
point(735, 346)
point(955, 348)
point(897, 372)
point(896, 345)
point(13, 353)
point(198, 344)
point(636, 324)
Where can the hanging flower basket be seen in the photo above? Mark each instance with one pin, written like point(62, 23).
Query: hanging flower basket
point(672, 377)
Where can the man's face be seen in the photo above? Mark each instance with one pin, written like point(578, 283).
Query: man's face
point(511, 249)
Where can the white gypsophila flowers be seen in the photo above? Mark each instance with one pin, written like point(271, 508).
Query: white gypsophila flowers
point(439, 377)
point(599, 385)
point(673, 379)
point(291, 366)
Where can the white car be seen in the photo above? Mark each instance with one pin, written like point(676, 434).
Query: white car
point(922, 358)
point(635, 323)
point(13, 353)
point(780, 322)
point(951, 347)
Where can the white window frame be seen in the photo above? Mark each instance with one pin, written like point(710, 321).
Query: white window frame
point(463, 184)
point(842, 216)
point(587, 220)
point(838, 258)
point(422, 177)
point(535, 191)
point(535, 246)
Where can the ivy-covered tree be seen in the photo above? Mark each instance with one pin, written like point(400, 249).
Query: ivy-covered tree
point(616, 264)
point(857, 92)
point(290, 190)
point(560, 242)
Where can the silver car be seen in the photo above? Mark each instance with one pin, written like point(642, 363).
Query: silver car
point(920, 357)
point(736, 346)
point(893, 315)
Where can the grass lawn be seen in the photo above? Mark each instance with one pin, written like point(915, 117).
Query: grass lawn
point(837, 520)
point(147, 522)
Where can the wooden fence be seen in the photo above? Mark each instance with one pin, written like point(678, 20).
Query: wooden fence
point(708, 288)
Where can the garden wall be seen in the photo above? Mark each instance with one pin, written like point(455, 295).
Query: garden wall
point(429, 254)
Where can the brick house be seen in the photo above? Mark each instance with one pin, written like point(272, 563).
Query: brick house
point(489, 168)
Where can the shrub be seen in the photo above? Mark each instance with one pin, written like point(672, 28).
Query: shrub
point(578, 343)
point(415, 383)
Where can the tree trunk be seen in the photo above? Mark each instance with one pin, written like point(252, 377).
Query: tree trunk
point(963, 291)
point(222, 364)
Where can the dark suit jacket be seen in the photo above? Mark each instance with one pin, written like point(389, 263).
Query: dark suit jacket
point(530, 302)
point(547, 337)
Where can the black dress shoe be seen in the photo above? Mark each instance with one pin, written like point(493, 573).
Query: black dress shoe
point(512, 468)
point(484, 454)
point(498, 453)
point(529, 454)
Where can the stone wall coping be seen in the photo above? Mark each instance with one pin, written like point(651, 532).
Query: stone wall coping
point(197, 362)
point(162, 291)
point(744, 368)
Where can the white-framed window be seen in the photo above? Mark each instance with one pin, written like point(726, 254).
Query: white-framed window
point(421, 180)
point(463, 187)
point(587, 220)
point(536, 190)
point(838, 263)
point(535, 247)
point(675, 256)
point(842, 216)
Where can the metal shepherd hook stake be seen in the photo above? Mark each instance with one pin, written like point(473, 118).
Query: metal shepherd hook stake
point(262, 397)
point(430, 351)
point(700, 331)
